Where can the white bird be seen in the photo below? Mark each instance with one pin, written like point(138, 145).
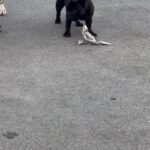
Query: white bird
point(90, 38)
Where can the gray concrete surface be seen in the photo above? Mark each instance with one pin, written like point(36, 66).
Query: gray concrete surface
point(56, 95)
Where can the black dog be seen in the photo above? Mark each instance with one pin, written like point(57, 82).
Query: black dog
point(75, 10)
point(59, 6)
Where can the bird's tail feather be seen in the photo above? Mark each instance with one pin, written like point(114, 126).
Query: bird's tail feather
point(101, 43)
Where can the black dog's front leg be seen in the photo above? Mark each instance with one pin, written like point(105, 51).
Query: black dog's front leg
point(68, 26)
point(59, 6)
point(88, 23)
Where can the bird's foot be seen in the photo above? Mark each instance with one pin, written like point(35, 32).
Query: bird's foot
point(82, 42)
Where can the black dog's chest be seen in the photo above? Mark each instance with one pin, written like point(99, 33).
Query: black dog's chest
point(76, 17)
point(82, 17)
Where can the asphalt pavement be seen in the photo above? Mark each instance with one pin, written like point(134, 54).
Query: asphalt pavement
point(58, 95)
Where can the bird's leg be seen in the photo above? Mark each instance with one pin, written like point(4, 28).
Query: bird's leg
point(68, 27)
point(88, 23)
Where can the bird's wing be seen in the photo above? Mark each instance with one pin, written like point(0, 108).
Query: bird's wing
point(89, 37)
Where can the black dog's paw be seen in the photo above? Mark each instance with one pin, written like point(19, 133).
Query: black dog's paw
point(58, 21)
point(94, 34)
point(67, 34)
point(79, 24)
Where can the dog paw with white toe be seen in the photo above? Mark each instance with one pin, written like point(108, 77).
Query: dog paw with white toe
point(2, 10)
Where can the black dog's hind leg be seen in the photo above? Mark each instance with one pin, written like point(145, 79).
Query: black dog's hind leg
point(88, 23)
point(59, 6)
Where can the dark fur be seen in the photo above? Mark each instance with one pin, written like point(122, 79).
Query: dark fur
point(75, 10)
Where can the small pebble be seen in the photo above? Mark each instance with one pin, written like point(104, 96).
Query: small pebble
point(10, 135)
point(113, 99)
